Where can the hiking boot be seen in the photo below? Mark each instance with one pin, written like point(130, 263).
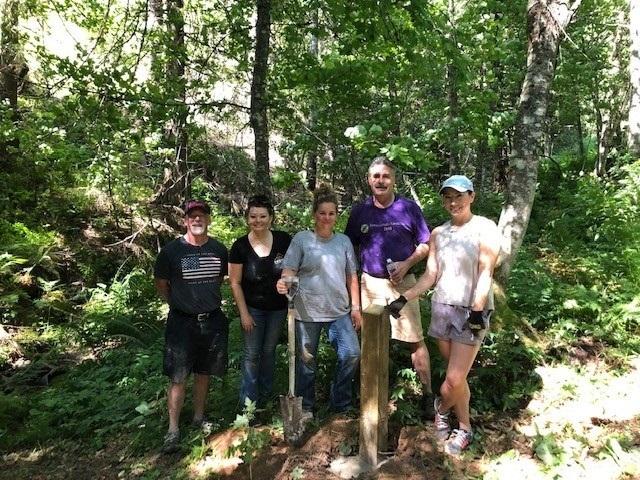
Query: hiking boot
point(426, 406)
point(203, 424)
point(171, 442)
point(458, 441)
point(440, 421)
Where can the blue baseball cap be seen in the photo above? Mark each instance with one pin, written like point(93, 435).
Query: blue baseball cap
point(457, 182)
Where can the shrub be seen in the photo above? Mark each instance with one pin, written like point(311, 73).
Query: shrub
point(127, 309)
point(120, 390)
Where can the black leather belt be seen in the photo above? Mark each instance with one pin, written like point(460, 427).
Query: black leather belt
point(198, 316)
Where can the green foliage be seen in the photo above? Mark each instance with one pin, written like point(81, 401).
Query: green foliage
point(254, 440)
point(582, 279)
point(28, 271)
point(297, 473)
point(229, 168)
point(284, 179)
point(548, 451)
point(10, 293)
point(14, 409)
point(505, 377)
point(406, 386)
point(406, 152)
point(125, 309)
point(294, 217)
point(122, 390)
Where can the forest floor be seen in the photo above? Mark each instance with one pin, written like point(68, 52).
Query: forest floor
point(584, 423)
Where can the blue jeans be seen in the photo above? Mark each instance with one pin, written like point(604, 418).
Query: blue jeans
point(259, 354)
point(344, 340)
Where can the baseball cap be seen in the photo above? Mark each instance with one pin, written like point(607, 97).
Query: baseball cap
point(457, 182)
point(193, 204)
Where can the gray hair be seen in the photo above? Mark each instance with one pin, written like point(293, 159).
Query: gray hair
point(382, 160)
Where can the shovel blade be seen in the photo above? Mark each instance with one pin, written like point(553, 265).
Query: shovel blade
point(292, 418)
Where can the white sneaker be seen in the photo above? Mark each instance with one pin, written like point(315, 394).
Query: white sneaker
point(441, 421)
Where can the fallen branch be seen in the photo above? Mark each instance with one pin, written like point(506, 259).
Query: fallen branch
point(129, 238)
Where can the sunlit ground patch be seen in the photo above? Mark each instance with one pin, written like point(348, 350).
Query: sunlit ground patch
point(584, 424)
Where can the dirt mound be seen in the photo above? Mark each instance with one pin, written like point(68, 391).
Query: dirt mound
point(417, 455)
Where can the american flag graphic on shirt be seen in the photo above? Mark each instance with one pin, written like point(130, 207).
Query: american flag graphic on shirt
point(200, 268)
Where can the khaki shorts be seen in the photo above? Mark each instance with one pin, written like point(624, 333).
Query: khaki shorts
point(380, 291)
point(449, 322)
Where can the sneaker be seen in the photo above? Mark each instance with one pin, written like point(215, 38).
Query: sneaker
point(458, 441)
point(426, 406)
point(171, 442)
point(440, 421)
point(203, 424)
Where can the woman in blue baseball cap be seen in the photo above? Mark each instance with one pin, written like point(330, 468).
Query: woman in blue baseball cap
point(462, 257)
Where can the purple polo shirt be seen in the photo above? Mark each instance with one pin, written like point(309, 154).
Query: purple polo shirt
point(381, 233)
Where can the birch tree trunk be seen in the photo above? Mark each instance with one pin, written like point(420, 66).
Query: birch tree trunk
point(634, 70)
point(258, 113)
point(546, 23)
point(613, 101)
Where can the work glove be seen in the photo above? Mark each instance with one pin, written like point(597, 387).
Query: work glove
point(476, 321)
point(395, 306)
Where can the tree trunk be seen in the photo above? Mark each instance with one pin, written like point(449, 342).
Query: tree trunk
point(9, 53)
point(546, 22)
point(312, 158)
point(489, 157)
point(176, 184)
point(452, 96)
point(486, 163)
point(580, 138)
point(605, 136)
point(177, 74)
point(13, 69)
point(258, 114)
point(613, 101)
point(634, 70)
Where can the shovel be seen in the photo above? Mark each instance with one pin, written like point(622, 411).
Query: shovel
point(290, 405)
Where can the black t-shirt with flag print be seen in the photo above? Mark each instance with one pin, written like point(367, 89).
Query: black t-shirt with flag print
point(194, 273)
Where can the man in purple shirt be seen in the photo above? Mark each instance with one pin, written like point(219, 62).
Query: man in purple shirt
point(390, 235)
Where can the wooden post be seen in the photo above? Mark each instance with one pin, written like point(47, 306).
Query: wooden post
point(374, 383)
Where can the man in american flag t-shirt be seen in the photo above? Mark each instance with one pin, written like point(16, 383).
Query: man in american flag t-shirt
point(188, 274)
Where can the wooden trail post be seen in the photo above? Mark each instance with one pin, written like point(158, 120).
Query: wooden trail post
point(374, 383)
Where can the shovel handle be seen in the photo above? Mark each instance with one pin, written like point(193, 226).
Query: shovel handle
point(291, 334)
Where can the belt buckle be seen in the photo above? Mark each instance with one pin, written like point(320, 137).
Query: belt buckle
point(202, 316)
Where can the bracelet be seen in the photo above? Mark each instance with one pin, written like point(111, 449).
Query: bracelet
point(355, 307)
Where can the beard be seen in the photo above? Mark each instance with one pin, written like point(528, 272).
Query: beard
point(198, 230)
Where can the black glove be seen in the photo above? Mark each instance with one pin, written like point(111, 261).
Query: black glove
point(395, 306)
point(476, 321)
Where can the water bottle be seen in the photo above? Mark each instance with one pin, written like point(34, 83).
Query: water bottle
point(391, 266)
point(292, 283)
